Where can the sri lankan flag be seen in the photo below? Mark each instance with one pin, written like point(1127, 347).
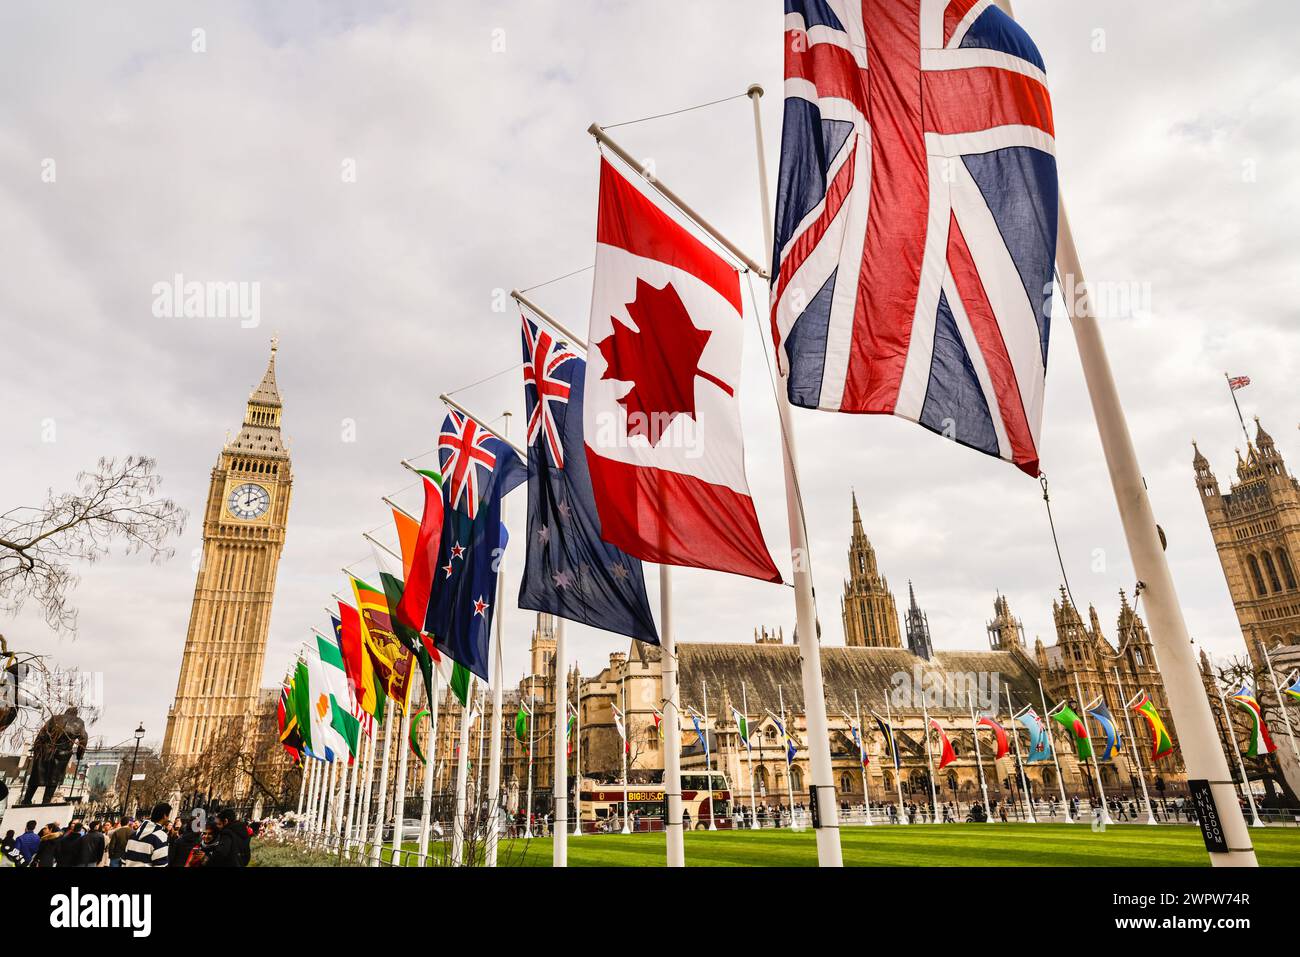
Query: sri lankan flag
point(1066, 718)
point(361, 670)
point(391, 661)
point(1260, 742)
point(1161, 743)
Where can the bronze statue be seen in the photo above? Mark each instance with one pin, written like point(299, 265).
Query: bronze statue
point(56, 742)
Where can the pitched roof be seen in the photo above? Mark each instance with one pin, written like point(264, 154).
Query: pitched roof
point(773, 671)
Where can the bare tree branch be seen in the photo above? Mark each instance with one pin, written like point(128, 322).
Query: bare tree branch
point(116, 503)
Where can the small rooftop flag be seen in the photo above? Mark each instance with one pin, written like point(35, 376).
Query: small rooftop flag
point(1238, 382)
point(1161, 743)
point(622, 729)
point(1260, 741)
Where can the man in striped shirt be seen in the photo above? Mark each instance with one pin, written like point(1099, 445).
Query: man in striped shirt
point(148, 846)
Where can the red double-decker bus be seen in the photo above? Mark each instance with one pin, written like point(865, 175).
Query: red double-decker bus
point(602, 805)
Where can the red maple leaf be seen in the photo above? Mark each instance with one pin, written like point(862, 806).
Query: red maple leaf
point(661, 358)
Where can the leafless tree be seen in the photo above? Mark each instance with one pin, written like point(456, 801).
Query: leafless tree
point(115, 503)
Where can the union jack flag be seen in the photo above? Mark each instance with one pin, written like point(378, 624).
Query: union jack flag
point(916, 218)
point(543, 355)
point(467, 455)
point(1238, 382)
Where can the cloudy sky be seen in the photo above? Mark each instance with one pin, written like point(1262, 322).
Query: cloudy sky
point(464, 123)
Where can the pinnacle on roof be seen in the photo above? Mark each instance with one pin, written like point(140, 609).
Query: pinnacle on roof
point(267, 393)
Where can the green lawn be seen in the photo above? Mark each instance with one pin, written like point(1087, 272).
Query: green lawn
point(932, 845)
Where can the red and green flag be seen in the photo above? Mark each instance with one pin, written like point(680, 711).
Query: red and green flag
point(1066, 718)
point(422, 561)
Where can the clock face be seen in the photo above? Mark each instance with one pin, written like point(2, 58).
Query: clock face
point(249, 501)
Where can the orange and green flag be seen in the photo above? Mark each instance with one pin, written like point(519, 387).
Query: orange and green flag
point(1161, 743)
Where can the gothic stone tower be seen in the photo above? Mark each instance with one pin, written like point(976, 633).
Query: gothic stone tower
point(1256, 529)
point(243, 534)
point(918, 628)
point(870, 617)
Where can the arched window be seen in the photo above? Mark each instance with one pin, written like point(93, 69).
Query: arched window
point(796, 780)
point(1253, 563)
point(1288, 572)
point(760, 780)
point(846, 783)
point(1272, 573)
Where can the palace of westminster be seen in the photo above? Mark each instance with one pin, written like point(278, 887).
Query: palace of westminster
point(1255, 527)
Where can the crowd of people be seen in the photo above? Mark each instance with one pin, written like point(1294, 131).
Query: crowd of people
point(193, 839)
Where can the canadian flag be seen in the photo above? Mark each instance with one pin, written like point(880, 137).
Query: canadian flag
point(661, 419)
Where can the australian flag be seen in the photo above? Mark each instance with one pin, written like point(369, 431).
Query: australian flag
point(478, 469)
point(570, 571)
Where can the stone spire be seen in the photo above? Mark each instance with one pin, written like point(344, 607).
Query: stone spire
point(918, 628)
point(260, 433)
point(867, 606)
point(1005, 631)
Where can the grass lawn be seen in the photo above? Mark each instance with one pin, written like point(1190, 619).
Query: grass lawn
point(917, 845)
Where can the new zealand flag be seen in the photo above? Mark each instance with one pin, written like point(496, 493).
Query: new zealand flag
point(478, 469)
point(570, 570)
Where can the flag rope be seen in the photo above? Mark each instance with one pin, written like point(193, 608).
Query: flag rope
point(567, 275)
point(685, 109)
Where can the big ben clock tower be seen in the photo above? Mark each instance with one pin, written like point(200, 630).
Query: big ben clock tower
point(243, 534)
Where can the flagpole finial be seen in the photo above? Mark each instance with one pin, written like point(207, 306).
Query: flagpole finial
point(754, 90)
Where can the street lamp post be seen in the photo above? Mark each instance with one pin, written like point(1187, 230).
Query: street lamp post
point(126, 804)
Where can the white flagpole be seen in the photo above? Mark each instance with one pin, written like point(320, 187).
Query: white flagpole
point(929, 760)
point(399, 796)
point(673, 837)
point(1241, 765)
point(626, 828)
point(1024, 779)
point(1134, 748)
point(1056, 757)
point(377, 836)
point(462, 774)
point(577, 756)
point(302, 782)
point(785, 747)
point(975, 733)
point(1187, 702)
point(367, 789)
point(1281, 701)
point(1096, 765)
point(560, 777)
point(478, 759)
point(309, 820)
point(829, 853)
point(426, 791)
point(862, 754)
point(896, 758)
point(708, 759)
point(749, 752)
point(528, 812)
point(349, 813)
point(498, 689)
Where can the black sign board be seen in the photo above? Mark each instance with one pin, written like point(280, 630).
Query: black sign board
point(812, 804)
point(1207, 813)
